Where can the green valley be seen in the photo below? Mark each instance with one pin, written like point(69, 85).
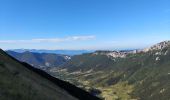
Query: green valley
point(138, 76)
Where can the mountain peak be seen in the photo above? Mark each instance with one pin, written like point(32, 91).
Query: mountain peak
point(158, 46)
point(122, 54)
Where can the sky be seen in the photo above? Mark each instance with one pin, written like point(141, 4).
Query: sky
point(83, 24)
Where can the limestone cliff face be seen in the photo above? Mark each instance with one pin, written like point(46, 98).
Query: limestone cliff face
point(123, 54)
point(158, 46)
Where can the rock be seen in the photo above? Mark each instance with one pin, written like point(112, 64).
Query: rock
point(158, 46)
point(157, 58)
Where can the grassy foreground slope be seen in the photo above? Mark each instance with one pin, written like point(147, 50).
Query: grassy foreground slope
point(20, 81)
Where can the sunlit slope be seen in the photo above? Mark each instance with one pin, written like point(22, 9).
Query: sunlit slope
point(142, 76)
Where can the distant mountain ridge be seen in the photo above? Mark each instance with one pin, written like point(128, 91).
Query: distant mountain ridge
point(40, 60)
point(63, 52)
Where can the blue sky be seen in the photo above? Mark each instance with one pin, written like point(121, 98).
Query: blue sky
point(83, 24)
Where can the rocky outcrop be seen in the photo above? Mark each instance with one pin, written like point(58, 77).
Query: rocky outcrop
point(114, 54)
point(158, 46)
point(123, 54)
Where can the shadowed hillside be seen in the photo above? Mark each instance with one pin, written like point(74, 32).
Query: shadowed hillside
point(20, 81)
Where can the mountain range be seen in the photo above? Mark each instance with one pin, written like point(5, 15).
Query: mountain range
point(121, 75)
point(21, 81)
point(40, 60)
point(63, 52)
point(112, 75)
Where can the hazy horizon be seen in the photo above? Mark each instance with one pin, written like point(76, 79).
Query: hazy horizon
point(119, 49)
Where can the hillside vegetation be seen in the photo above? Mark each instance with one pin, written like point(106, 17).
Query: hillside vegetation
point(138, 76)
point(20, 81)
point(40, 60)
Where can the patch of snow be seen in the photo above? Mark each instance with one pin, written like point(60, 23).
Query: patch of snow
point(67, 57)
point(166, 52)
point(157, 58)
point(76, 72)
point(41, 66)
point(89, 71)
point(162, 90)
point(158, 53)
point(47, 64)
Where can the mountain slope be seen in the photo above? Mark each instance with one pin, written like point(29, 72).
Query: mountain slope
point(142, 75)
point(40, 60)
point(20, 81)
